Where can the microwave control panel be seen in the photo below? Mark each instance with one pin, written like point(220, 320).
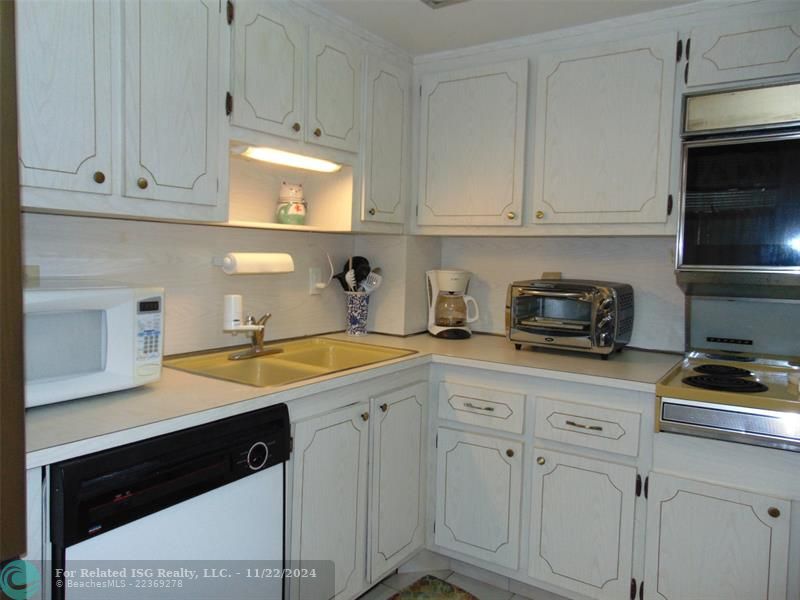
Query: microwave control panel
point(148, 330)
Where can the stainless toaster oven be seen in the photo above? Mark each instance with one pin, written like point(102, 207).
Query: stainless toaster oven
point(589, 316)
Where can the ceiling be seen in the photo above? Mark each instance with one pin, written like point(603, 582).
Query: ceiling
point(419, 29)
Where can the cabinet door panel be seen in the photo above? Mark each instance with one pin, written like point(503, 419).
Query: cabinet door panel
point(472, 144)
point(478, 483)
point(715, 543)
point(387, 143)
point(269, 55)
point(396, 518)
point(334, 92)
point(582, 524)
point(171, 100)
point(604, 117)
point(745, 49)
point(330, 476)
point(64, 90)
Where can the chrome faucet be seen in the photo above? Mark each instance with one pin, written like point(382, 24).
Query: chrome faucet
point(256, 329)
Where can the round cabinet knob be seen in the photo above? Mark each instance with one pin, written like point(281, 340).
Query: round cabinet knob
point(372, 211)
point(511, 215)
point(99, 177)
point(384, 407)
point(365, 416)
point(141, 182)
point(539, 214)
point(510, 453)
point(318, 132)
point(296, 127)
point(540, 460)
point(257, 456)
point(773, 512)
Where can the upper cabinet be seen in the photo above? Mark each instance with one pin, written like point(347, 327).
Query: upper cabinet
point(603, 133)
point(472, 144)
point(269, 60)
point(64, 82)
point(171, 73)
point(386, 168)
point(751, 48)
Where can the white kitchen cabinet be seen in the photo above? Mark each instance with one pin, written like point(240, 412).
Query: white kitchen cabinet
point(386, 144)
point(472, 145)
point(603, 141)
point(329, 500)
point(713, 542)
point(171, 98)
point(478, 496)
point(269, 57)
point(746, 48)
point(396, 521)
point(334, 91)
point(64, 94)
point(582, 517)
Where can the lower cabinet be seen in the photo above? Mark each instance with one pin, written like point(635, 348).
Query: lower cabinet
point(478, 498)
point(582, 517)
point(714, 542)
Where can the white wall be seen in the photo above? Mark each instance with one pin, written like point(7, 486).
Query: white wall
point(645, 263)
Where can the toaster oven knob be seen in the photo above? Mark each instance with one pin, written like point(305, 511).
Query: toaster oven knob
point(605, 322)
point(606, 304)
point(605, 339)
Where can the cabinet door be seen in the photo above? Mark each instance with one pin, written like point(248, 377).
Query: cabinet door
point(472, 145)
point(745, 49)
point(386, 156)
point(334, 91)
point(603, 133)
point(64, 91)
point(478, 483)
point(713, 542)
point(396, 527)
point(329, 501)
point(582, 524)
point(172, 100)
point(269, 60)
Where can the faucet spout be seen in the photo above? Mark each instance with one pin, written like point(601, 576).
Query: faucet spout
point(256, 340)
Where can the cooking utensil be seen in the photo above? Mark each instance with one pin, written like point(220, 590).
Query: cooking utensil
point(372, 282)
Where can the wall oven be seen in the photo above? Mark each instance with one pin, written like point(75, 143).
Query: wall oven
point(741, 189)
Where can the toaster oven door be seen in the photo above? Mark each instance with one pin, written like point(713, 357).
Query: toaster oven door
point(559, 318)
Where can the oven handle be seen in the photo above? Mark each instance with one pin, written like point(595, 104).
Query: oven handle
point(584, 296)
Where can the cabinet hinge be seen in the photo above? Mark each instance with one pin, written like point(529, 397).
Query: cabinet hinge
point(420, 91)
point(646, 485)
point(291, 444)
point(688, 47)
point(686, 74)
point(228, 103)
point(638, 485)
point(434, 527)
point(229, 9)
point(669, 205)
point(679, 51)
point(641, 590)
point(436, 442)
point(633, 589)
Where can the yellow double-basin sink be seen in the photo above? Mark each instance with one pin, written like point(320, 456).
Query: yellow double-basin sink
point(295, 361)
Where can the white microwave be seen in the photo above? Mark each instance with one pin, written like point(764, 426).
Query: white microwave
point(84, 338)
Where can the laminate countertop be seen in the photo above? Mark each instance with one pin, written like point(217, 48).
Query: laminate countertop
point(179, 400)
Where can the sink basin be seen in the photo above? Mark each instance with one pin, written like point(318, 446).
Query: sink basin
point(301, 359)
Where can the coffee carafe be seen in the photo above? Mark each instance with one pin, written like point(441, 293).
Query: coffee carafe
point(449, 305)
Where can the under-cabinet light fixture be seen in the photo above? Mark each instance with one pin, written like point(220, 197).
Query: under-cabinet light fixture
point(288, 159)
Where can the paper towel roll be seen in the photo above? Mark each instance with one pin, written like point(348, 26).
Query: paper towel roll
point(248, 263)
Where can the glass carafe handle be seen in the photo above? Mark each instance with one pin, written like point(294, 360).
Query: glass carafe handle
point(470, 300)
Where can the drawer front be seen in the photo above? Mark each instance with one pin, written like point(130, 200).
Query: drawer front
point(484, 407)
point(588, 425)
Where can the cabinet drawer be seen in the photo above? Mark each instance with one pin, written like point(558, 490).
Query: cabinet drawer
point(484, 407)
point(588, 425)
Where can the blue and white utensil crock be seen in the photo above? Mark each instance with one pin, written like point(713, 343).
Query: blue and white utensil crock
point(357, 310)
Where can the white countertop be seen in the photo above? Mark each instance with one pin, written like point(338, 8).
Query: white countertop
point(179, 400)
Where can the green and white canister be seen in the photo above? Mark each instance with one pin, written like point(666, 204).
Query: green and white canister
point(291, 209)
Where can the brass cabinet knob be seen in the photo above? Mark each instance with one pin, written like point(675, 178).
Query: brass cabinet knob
point(296, 127)
point(773, 512)
point(510, 453)
point(365, 416)
point(99, 177)
point(318, 132)
point(141, 182)
point(511, 215)
point(539, 214)
point(372, 211)
point(541, 460)
point(384, 407)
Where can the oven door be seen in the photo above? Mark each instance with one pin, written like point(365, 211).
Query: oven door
point(741, 204)
point(559, 318)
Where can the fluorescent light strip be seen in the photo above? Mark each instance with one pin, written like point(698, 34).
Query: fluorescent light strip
point(289, 159)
